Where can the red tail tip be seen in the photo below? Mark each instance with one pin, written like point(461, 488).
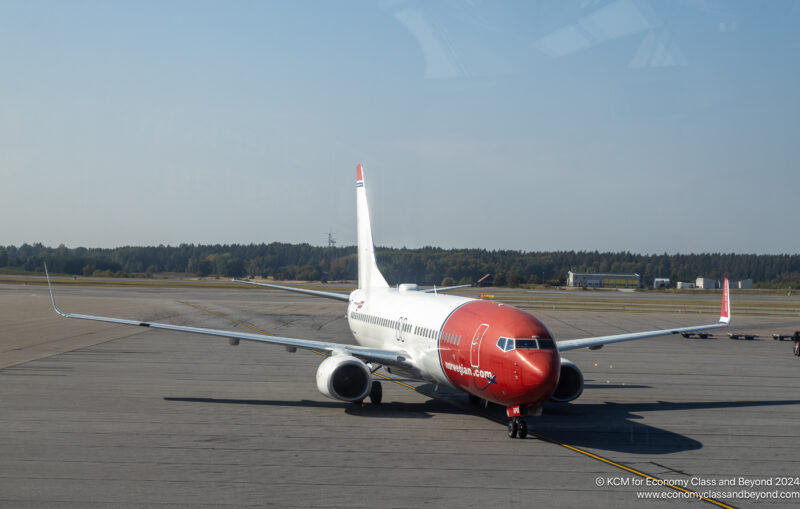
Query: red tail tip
point(359, 174)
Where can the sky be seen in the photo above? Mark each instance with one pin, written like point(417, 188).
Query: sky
point(609, 125)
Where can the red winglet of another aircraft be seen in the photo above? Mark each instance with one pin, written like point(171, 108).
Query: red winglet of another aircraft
point(359, 175)
point(725, 314)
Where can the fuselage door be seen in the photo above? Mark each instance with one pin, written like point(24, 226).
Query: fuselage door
point(399, 330)
point(475, 350)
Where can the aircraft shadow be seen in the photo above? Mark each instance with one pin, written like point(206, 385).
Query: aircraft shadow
point(616, 427)
point(606, 426)
point(601, 426)
point(614, 386)
point(394, 409)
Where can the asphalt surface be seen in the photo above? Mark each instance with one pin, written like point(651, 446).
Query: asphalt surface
point(99, 415)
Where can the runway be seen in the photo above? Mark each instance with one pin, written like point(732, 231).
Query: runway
point(95, 414)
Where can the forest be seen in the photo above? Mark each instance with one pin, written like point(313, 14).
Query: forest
point(427, 265)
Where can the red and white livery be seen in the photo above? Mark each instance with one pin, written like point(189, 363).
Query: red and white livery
point(487, 349)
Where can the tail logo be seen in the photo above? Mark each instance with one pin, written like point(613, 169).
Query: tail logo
point(359, 177)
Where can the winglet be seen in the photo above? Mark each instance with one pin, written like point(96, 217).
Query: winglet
point(52, 297)
point(359, 176)
point(725, 314)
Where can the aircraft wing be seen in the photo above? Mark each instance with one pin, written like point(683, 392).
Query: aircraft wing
point(597, 342)
point(318, 293)
point(572, 344)
point(332, 295)
point(386, 357)
point(445, 288)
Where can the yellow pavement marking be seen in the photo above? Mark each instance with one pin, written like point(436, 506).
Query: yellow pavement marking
point(497, 420)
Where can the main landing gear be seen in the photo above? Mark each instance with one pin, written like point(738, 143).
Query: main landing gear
point(517, 428)
point(376, 393)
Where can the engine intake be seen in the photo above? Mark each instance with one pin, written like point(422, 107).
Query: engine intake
point(344, 377)
point(570, 382)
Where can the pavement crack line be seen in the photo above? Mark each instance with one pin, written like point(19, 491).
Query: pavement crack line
point(504, 422)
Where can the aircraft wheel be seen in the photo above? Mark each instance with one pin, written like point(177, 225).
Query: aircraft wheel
point(473, 399)
point(523, 430)
point(513, 428)
point(376, 393)
point(797, 349)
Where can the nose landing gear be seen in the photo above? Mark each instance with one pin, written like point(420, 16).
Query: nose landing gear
point(517, 428)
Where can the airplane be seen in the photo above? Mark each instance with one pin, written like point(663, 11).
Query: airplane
point(491, 351)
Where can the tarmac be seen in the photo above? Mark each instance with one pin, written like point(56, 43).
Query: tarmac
point(101, 415)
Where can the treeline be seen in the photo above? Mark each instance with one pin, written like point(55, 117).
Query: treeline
point(427, 265)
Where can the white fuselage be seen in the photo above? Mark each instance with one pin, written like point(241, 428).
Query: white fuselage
point(405, 321)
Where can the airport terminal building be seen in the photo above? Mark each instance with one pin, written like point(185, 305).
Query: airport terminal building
point(595, 280)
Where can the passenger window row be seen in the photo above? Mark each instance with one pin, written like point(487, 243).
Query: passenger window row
point(453, 339)
point(380, 321)
point(425, 332)
point(407, 327)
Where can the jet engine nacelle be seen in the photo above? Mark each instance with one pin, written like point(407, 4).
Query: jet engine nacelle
point(344, 377)
point(570, 383)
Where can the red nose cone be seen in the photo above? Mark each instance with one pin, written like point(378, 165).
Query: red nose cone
point(539, 370)
point(499, 353)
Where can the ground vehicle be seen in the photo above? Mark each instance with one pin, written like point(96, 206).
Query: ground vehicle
point(701, 335)
point(793, 337)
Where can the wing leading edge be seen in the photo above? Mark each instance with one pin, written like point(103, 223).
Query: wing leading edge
point(724, 321)
point(318, 293)
point(445, 288)
point(387, 357)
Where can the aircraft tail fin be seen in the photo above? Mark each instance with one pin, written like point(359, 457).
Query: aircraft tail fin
point(725, 314)
point(368, 274)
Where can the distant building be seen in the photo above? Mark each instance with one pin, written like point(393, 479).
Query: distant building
point(661, 282)
point(592, 280)
point(682, 284)
point(706, 283)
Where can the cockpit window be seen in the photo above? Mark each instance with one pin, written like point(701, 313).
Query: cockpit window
point(529, 344)
point(501, 343)
point(508, 344)
point(547, 344)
